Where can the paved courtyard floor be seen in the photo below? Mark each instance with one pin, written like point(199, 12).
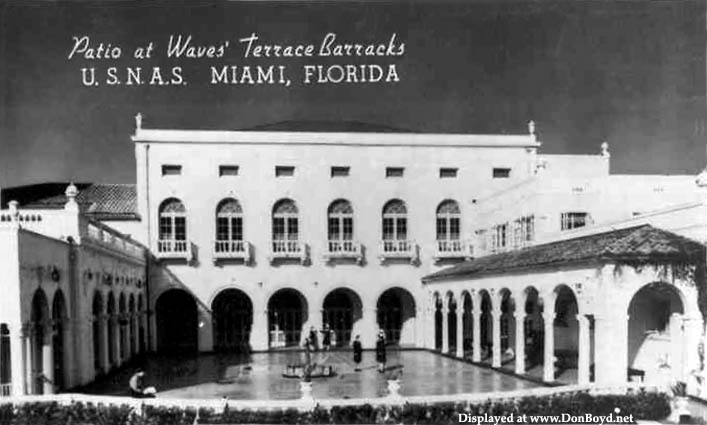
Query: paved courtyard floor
point(259, 376)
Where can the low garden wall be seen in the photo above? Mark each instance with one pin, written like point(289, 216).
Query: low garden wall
point(77, 409)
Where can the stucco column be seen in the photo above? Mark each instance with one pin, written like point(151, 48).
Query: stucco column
point(48, 361)
point(368, 329)
point(496, 335)
point(445, 329)
point(259, 331)
point(520, 342)
point(611, 350)
point(17, 359)
point(691, 339)
point(420, 321)
point(104, 322)
point(583, 351)
point(476, 334)
point(460, 331)
point(29, 361)
point(549, 352)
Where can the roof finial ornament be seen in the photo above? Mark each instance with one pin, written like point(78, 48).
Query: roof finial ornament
point(605, 149)
point(531, 127)
point(138, 121)
point(71, 192)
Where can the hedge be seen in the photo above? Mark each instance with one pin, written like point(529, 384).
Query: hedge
point(643, 405)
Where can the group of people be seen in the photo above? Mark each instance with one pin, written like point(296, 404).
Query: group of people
point(381, 356)
point(310, 345)
point(311, 342)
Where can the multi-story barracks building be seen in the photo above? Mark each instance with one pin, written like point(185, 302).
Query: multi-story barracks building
point(255, 237)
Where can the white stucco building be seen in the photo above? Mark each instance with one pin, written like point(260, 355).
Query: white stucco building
point(251, 238)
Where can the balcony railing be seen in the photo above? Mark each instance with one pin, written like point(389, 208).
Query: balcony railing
point(344, 249)
point(446, 249)
point(6, 389)
point(391, 249)
point(171, 248)
point(288, 249)
point(232, 250)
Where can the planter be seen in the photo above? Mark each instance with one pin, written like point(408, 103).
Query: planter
point(306, 389)
point(680, 413)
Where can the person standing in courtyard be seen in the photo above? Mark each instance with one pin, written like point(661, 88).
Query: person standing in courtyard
point(313, 338)
point(357, 352)
point(380, 351)
point(326, 337)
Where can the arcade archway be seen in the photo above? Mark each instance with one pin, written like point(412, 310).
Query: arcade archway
point(177, 322)
point(59, 319)
point(287, 312)
point(342, 308)
point(233, 320)
point(655, 332)
point(396, 316)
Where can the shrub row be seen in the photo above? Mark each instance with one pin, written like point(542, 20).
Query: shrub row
point(643, 405)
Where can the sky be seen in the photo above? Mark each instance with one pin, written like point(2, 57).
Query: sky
point(628, 72)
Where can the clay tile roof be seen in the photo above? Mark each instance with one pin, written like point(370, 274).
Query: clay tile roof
point(99, 201)
point(640, 244)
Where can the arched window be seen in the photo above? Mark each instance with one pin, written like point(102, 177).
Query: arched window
point(229, 221)
point(448, 220)
point(395, 221)
point(173, 226)
point(340, 216)
point(285, 225)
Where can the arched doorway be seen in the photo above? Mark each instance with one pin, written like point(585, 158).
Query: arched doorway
point(507, 322)
point(177, 322)
point(396, 316)
point(341, 310)
point(59, 318)
point(287, 312)
point(486, 324)
point(97, 331)
point(655, 334)
point(233, 319)
point(566, 331)
point(111, 324)
point(5, 365)
point(467, 322)
point(438, 321)
point(451, 322)
point(122, 328)
point(133, 328)
point(141, 324)
point(40, 318)
point(534, 329)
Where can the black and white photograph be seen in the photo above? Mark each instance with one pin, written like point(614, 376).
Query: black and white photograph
point(353, 212)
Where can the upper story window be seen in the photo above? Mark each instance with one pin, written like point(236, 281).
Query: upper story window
point(448, 220)
point(395, 220)
point(448, 173)
point(524, 230)
point(340, 215)
point(284, 171)
point(171, 170)
point(229, 221)
point(285, 220)
point(572, 220)
point(340, 171)
point(501, 173)
point(394, 171)
point(173, 220)
point(228, 170)
point(499, 237)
